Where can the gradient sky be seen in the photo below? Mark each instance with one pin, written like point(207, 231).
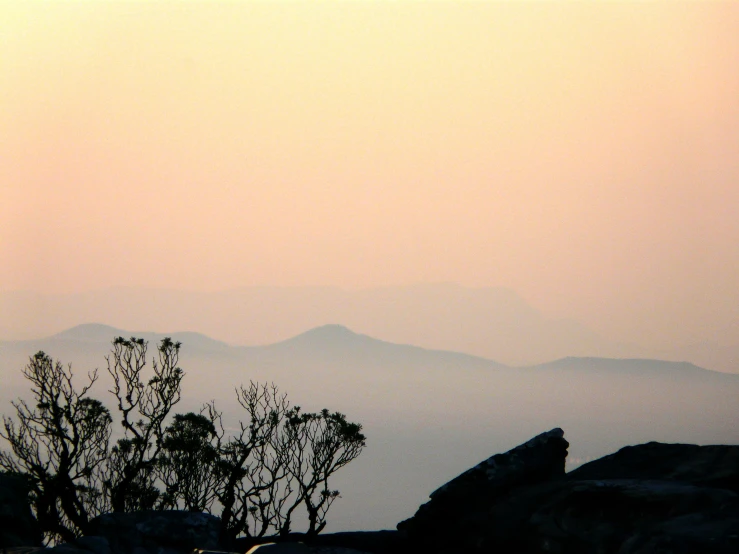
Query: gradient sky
point(584, 154)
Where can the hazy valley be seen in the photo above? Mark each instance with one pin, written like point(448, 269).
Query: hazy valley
point(428, 414)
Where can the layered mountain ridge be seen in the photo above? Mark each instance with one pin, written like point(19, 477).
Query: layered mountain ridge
point(428, 414)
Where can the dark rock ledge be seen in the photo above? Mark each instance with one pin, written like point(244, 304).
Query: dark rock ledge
point(644, 499)
point(666, 498)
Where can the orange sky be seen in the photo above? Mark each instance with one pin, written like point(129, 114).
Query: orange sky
point(584, 154)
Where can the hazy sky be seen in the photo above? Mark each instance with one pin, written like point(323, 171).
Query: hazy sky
point(584, 154)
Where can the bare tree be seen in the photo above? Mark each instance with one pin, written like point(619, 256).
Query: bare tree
point(59, 442)
point(144, 406)
point(282, 459)
point(250, 470)
point(313, 446)
point(278, 461)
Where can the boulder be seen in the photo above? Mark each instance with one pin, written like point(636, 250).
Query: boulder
point(380, 542)
point(98, 545)
point(630, 516)
point(457, 516)
point(157, 532)
point(650, 498)
point(83, 545)
point(18, 527)
point(711, 466)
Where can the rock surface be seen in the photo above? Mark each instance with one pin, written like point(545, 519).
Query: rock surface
point(645, 499)
point(170, 532)
point(710, 466)
point(666, 498)
point(17, 525)
point(629, 516)
point(384, 542)
point(457, 514)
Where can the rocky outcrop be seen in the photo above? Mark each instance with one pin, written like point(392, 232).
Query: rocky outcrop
point(151, 532)
point(645, 499)
point(381, 542)
point(458, 516)
point(17, 525)
point(707, 466)
point(628, 516)
point(666, 498)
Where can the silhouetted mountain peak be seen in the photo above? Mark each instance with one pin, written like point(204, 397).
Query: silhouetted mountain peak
point(338, 342)
point(95, 332)
point(331, 330)
point(98, 332)
point(329, 335)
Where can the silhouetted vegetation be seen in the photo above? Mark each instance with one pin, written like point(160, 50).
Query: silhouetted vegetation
point(277, 464)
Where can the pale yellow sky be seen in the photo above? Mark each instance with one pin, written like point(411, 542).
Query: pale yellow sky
point(584, 154)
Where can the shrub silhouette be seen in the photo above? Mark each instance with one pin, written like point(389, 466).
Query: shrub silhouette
point(130, 479)
point(59, 443)
point(277, 463)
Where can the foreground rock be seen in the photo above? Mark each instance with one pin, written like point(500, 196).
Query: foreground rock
point(458, 515)
point(709, 466)
point(643, 499)
point(174, 532)
point(17, 525)
point(629, 516)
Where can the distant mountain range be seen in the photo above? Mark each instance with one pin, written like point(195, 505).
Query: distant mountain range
point(97, 333)
point(428, 414)
point(317, 361)
point(494, 323)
